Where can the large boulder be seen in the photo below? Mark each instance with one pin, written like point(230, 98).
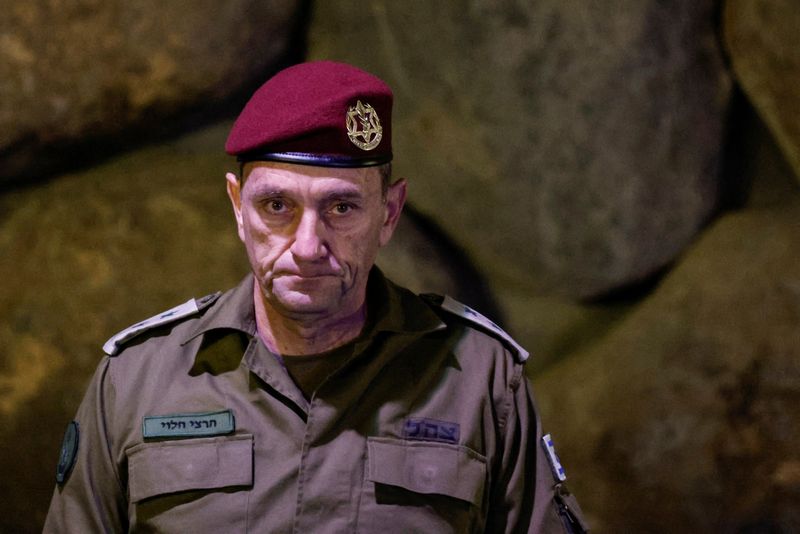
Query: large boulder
point(685, 417)
point(566, 145)
point(764, 46)
point(81, 257)
point(73, 75)
point(90, 253)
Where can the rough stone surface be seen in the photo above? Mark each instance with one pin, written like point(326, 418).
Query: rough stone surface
point(685, 418)
point(77, 69)
point(764, 46)
point(566, 145)
point(88, 254)
point(758, 174)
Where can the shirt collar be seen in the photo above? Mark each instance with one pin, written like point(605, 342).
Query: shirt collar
point(390, 308)
point(234, 310)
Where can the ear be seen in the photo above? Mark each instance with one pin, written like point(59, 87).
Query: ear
point(234, 187)
point(395, 200)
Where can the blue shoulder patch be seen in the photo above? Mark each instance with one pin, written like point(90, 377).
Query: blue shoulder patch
point(462, 310)
point(69, 451)
point(114, 345)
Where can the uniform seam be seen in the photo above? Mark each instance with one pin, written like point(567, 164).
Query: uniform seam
point(513, 384)
point(364, 460)
point(103, 410)
point(301, 469)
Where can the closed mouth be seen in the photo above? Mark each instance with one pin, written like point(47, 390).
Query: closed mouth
point(308, 276)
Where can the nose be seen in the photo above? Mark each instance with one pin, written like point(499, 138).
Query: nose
point(309, 243)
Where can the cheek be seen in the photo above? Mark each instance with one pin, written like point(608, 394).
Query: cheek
point(262, 245)
point(360, 245)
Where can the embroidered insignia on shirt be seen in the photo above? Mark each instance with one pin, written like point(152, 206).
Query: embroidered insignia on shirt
point(68, 454)
point(462, 310)
point(363, 126)
point(431, 429)
point(555, 463)
point(188, 425)
point(114, 345)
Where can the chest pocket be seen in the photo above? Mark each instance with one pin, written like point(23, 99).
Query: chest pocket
point(198, 481)
point(182, 465)
point(416, 486)
point(422, 467)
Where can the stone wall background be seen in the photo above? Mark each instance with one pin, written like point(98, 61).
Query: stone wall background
point(616, 182)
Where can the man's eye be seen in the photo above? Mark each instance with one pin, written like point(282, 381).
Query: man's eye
point(276, 205)
point(342, 207)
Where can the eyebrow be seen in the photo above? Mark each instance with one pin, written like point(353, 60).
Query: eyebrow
point(267, 191)
point(340, 193)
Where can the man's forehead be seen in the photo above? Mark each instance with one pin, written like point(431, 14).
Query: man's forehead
point(266, 175)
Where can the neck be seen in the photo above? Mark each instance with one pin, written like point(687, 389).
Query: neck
point(312, 334)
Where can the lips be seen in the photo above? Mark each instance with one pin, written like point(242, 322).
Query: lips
point(307, 275)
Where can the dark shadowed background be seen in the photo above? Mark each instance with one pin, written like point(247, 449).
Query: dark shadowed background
point(614, 181)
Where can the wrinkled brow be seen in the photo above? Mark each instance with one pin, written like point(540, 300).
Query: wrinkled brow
point(266, 191)
point(337, 193)
point(341, 194)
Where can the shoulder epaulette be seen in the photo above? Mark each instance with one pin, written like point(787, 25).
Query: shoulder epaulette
point(192, 306)
point(483, 323)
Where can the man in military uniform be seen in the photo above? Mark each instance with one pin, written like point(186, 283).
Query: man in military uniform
point(316, 396)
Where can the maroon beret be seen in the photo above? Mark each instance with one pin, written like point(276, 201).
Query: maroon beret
point(318, 113)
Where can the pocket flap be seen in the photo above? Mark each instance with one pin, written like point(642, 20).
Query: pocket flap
point(425, 467)
point(181, 465)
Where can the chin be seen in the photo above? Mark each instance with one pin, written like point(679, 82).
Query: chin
point(305, 302)
point(307, 309)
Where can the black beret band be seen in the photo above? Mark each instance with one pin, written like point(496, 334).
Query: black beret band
point(319, 160)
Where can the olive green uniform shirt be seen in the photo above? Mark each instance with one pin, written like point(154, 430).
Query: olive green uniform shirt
point(428, 427)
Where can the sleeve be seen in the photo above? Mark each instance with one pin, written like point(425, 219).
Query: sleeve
point(526, 497)
point(92, 497)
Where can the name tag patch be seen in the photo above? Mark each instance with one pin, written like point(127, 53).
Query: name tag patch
point(189, 425)
point(431, 429)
